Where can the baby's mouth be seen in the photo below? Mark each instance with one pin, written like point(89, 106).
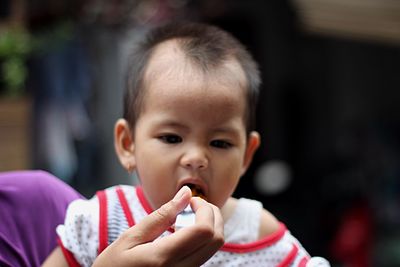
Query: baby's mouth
point(197, 191)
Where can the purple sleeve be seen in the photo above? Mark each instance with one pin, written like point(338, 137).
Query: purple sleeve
point(32, 204)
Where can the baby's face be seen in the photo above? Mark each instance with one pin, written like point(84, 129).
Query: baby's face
point(191, 131)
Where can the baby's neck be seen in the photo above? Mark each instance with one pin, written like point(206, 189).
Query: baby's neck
point(228, 209)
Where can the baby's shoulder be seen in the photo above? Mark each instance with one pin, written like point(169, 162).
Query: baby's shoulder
point(269, 224)
point(248, 208)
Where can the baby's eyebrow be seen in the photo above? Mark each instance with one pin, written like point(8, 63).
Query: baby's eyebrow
point(172, 124)
point(230, 130)
point(226, 130)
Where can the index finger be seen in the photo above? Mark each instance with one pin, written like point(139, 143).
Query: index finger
point(153, 225)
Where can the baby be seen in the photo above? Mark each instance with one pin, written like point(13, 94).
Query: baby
point(188, 120)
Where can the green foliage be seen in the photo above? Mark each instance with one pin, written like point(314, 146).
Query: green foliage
point(15, 46)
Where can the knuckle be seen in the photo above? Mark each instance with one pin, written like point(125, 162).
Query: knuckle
point(205, 231)
point(159, 260)
point(153, 262)
point(164, 261)
point(125, 235)
point(163, 214)
point(130, 235)
point(219, 239)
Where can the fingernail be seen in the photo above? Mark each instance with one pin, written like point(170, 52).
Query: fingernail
point(180, 193)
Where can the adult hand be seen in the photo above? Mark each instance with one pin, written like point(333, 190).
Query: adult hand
point(190, 246)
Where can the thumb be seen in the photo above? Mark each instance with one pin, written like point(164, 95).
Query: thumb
point(153, 225)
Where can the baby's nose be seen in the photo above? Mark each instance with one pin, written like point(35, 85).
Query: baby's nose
point(195, 159)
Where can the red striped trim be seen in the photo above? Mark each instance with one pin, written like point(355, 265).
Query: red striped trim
point(303, 262)
point(143, 200)
point(259, 244)
point(229, 247)
point(69, 257)
point(125, 206)
point(146, 204)
point(103, 221)
point(290, 257)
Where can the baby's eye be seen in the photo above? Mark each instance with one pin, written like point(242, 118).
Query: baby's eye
point(221, 144)
point(170, 138)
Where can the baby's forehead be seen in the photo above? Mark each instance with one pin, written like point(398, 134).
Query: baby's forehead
point(169, 61)
point(165, 53)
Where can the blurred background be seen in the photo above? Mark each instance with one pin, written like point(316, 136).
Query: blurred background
point(329, 112)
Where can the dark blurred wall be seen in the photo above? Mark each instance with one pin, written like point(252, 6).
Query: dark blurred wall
point(329, 108)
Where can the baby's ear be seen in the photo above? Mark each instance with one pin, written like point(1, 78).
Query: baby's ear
point(253, 142)
point(124, 144)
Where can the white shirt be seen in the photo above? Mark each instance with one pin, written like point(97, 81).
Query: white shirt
point(91, 225)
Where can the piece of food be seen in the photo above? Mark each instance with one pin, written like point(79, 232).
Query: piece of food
point(196, 191)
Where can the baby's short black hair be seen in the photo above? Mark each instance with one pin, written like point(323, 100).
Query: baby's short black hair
point(204, 45)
